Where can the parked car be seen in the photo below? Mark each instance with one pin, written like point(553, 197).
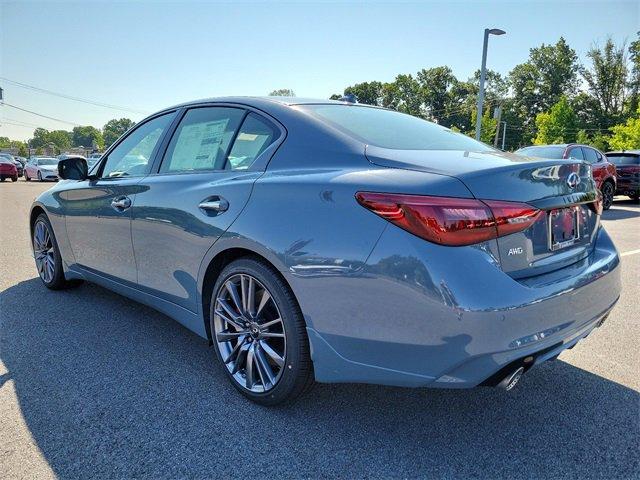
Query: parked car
point(41, 168)
point(604, 172)
point(628, 171)
point(14, 160)
point(318, 240)
point(8, 169)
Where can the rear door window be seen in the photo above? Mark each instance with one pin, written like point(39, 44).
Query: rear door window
point(590, 155)
point(255, 135)
point(202, 140)
point(576, 152)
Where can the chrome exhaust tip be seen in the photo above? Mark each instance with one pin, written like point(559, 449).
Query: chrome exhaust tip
point(511, 380)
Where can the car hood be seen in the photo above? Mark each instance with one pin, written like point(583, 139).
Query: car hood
point(49, 168)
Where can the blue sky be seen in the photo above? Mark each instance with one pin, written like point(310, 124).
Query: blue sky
point(148, 55)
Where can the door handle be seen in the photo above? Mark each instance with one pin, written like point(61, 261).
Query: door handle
point(220, 205)
point(120, 204)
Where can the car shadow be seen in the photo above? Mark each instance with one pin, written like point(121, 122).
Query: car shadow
point(110, 388)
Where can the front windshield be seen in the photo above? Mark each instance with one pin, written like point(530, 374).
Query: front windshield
point(47, 161)
point(390, 129)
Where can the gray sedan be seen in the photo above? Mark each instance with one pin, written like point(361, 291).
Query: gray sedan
point(311, 240)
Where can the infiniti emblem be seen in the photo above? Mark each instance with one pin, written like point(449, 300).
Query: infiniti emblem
point(573, 180)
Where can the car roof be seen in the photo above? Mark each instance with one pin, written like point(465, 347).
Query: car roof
point(258, 100)
point(564, 145)
point(624, 152)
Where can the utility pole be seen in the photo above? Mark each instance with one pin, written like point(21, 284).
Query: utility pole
point(483, 75)
point(497, 114)
point(504, 133)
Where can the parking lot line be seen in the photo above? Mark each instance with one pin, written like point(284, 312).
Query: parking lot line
point(630, 252)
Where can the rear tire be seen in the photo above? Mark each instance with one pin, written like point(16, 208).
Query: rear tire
point(608, 191)
point(289, 370)
point(47, 254)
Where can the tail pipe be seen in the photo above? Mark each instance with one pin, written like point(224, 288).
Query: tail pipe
point(509, 376)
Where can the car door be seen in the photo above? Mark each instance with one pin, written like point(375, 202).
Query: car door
point(98, 210)
point(200, 186)
point(599, 168)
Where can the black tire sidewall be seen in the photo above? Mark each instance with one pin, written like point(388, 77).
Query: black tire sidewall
point(297, 351)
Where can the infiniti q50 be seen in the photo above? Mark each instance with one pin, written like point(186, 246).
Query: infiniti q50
point(336, 242)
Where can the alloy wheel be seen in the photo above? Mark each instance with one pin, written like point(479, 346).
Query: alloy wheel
point(607, 195)
point(249, 333)
point(43, 250)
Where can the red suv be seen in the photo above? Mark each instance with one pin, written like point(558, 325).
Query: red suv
point(604, 172)
point(8, 169)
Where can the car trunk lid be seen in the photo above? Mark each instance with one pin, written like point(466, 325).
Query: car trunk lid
point(563, 189)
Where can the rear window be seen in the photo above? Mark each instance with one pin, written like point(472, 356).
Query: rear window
point(389, 129)
point(542, 152)
point(624, 159)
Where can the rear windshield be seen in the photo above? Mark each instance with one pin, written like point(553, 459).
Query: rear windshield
point(624, 159)
point(389, 129)
point(542, 152)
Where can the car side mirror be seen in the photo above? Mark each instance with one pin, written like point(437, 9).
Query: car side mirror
point(74, 168)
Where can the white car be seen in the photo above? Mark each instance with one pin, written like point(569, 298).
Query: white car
point(41, 168)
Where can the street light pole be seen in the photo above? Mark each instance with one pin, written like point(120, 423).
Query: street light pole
point(483, 75)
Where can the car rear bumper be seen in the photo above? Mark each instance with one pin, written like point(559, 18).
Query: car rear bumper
point(627, 186)
point(425, 315)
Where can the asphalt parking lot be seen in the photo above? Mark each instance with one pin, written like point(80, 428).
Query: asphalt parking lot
point(94, 385)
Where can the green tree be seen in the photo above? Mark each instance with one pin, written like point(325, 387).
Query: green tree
point(634, 81)
point(60, 138)
point(607, 81)
point(366, 92)
point(558, 125)
point(488, 128)
point(282, 92)
point(627, 136)
point(40, 138)
point(403, 94)
point(113, 129)
point(87, 137)
point(550, 73)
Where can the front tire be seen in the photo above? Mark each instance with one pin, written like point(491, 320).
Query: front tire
point(608, 191)
point(14, 179)
point(26, 177)
point(259, 333)
point(39, 176)
point(47, 256)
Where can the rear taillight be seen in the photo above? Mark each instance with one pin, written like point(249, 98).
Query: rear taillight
point(450, 221)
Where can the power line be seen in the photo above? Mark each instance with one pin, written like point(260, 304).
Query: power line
point(41, 115)
point(69, 97)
